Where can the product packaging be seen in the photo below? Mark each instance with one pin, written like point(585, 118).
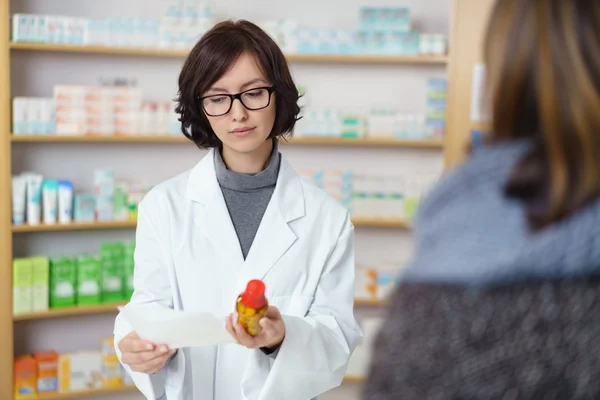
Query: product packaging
point(65, 202)
point(22, 278)
point(34, 197)
point(19, 190)
point(47, 371)
point(50, 201)
point(63, 279)
point(88, 280)
point(251, 305)
point(40, 283)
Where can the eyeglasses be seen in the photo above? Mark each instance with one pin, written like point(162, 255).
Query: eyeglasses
point(253, 99)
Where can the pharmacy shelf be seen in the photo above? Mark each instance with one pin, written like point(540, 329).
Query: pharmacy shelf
point(300, 140)
point(355, 379)
point(98, 138)
point(381, 223)
point(369, 302)
point(69, 311)
point(371, 142)
point(75, 226)
point(167, 53)
point(112, 307)
point(86, 393)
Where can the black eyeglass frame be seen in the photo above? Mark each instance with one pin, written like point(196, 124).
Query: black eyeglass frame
point(232, 97)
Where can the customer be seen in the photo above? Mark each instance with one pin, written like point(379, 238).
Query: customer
point(502, 299)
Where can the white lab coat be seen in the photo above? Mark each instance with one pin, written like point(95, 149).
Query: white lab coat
point(188, 257)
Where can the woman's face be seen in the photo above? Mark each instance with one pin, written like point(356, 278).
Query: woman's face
point(241, 130)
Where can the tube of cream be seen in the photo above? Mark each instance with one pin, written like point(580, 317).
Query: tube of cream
point(65, 202)
point(34, 197)
point(50, 198)
point(19, 185)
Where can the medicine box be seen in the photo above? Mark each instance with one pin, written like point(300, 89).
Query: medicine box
point(47, 371)
point(88, 280)
point(80, 371)
point(25, 378)
point(40, 283)
point(62, 282)
point(111, 259)
point(22, 286)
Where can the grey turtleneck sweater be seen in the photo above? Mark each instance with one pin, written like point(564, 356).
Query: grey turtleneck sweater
point(247, 195)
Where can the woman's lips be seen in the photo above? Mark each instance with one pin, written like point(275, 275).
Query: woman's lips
point(241, 132)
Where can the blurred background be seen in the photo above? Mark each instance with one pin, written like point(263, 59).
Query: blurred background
point(89, 121)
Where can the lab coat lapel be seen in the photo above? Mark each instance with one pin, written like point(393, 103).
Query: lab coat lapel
point(213, 218)
point(274, 236)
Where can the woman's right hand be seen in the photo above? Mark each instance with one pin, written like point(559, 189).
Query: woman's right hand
point(143, 356)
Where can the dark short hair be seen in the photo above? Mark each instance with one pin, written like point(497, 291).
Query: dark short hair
point(212, 57)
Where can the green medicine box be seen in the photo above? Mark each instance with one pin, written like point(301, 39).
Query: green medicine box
point(63, 279)
point(88, 280)
point(128, 266)
point(111, 261)
point(40, 267)
point(22, 286)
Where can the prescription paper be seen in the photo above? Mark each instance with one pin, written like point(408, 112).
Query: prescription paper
point(175, 328)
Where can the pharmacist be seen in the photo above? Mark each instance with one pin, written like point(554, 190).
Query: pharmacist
point(242, 213)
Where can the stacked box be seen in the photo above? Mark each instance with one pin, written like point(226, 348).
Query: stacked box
point(63, 280)
point(40, 283)
point(22, 286)
point(128, 268)
point(112, 374)
point(111, 260)
point(88, 280)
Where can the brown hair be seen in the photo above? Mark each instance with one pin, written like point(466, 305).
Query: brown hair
point(212, 57)
point(543, 61)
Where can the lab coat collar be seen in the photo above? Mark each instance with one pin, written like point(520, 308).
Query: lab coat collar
point(274, 236)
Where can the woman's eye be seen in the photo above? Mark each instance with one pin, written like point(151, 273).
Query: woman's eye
point(217, 100)
point(256, 93)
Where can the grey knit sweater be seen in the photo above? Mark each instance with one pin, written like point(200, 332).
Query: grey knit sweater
point(487, 309)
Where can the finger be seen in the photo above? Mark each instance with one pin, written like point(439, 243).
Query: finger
point(154, 364)
point(273, 313)
point(136, 358)
point(135, 345)
point(229, 327)
point(244, 337)
point(268, 326)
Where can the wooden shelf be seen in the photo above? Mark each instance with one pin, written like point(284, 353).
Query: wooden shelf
point(106, 50)
point(381, 223)
point(97, 138)
point(70, 311)
point(369, 302)
point(355, 379)
point(167, 53)
point(75, 226)
point(301, 140)
point(374, 142)
point(86, 393)
point(375, 223)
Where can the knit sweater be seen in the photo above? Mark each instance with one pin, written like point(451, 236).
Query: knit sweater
point(488, 309)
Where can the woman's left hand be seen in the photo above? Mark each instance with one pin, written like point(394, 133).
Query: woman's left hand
point(271, 335)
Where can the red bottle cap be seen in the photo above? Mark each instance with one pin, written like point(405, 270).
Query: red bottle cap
point(254, 295)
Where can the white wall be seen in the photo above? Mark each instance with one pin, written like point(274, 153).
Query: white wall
point(34, 74)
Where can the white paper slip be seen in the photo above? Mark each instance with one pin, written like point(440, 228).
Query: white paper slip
point(176, 328)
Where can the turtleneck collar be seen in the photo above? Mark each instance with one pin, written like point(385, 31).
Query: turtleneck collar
point(248, 182)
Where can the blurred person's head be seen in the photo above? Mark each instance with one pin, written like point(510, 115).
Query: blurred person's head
point(543, 61)
point(236, 58)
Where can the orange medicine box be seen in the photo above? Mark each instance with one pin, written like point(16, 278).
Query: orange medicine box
point(47, 371)
point(25, 378)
